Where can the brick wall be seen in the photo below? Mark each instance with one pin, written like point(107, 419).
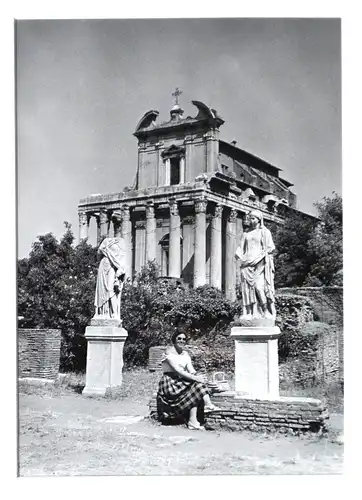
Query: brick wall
point(316, 347)
point(38, 353)
point(327, 301)
point(316, 355)
point(283, 415)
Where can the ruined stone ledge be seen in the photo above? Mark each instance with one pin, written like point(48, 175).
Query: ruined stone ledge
point(255, 415)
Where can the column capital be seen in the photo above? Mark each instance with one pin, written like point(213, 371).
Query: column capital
point(83, 217)
point(233, 215)
point(103, 217)
point(125, 212)
point(209, 135)
point(218, 210)
point(150, 210)
point(188, 139)
point(173, 207)
point(200, 206)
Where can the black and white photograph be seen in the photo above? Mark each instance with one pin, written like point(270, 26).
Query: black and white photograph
point(179, 263)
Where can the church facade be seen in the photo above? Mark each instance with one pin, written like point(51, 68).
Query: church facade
point(192, 193)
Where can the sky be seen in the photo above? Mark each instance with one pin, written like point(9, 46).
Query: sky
point(82, 87)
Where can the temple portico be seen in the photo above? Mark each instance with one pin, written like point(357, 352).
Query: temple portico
point(187, 209)
point(190, 235)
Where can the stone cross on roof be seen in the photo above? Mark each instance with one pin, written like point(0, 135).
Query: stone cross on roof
point(176, 94)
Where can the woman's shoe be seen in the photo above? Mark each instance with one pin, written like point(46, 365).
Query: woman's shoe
point(195, 427)
point(209, 408)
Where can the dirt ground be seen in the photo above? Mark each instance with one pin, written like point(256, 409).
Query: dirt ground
point(67, 434)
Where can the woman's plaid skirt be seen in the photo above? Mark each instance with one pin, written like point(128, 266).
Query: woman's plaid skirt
point(176, 396)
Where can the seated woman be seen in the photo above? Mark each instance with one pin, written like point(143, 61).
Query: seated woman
point(180, 390)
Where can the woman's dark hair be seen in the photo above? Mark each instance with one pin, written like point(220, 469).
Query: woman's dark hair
point(175, 335)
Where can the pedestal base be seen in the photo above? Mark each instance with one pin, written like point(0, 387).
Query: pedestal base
point(256, 360)
point(104, 359)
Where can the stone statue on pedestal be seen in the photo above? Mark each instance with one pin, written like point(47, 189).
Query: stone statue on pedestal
point(105, 335)
point(110, 279)
point(257, 270)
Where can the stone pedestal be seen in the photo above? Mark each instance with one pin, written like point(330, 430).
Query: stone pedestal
point(104, 357)
point(256, 361)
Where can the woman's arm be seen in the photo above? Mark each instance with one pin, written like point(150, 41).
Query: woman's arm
point(183, 373)
point(189, 367)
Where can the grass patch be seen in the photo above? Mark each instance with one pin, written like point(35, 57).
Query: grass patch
point(332, 394)
point(68, 436)
point(139, 384)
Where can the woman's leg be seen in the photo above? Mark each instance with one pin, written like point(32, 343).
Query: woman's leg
point(193, 416)
point(207, 400)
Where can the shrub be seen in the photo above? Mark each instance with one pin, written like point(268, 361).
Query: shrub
point(293, 312)
point(154, 308)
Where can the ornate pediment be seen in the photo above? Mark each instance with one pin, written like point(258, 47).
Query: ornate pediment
point(173, 152)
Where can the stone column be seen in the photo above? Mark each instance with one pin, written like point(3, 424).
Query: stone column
point(174, 259)
point(103, 223)
point(150, 232)
point(200, 243)
point(216, 248)
point(83, 226)
point(98, 228)
point(230, 264)
point(126, 233)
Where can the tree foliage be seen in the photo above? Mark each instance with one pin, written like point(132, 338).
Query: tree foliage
point(154, 308)
point(56, 290)
point(309, 250)
point(326, 244)
point(293, 259)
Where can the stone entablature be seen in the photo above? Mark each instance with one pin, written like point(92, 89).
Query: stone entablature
point(94, 204)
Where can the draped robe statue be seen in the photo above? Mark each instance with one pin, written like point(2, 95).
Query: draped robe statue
point(257, 269)
point(110, 279)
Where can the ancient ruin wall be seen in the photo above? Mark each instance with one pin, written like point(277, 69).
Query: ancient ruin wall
point(38, 353)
